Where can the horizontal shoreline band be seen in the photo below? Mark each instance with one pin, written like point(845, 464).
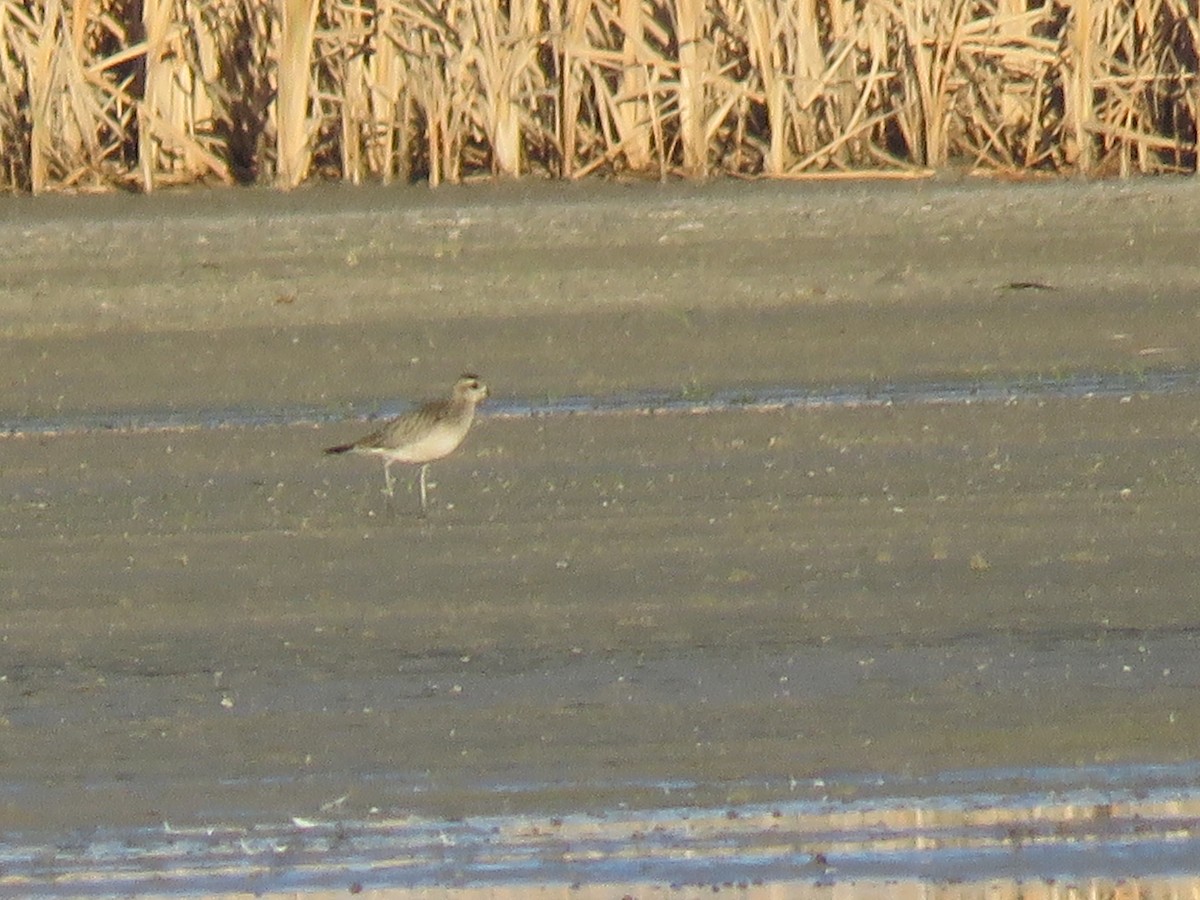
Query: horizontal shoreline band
point(965, 826)
point(1077, 386)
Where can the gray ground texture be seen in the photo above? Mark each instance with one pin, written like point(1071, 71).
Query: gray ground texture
point(217, 622)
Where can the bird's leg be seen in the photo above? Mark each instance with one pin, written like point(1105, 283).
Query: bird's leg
point(390, 490)
point(424, 469)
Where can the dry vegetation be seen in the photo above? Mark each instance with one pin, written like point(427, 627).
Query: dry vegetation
point(141, 93)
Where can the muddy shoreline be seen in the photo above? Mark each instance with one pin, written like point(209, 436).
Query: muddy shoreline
point(223, 625)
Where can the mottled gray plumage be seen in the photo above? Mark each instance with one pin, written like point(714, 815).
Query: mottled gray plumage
point(430, 432)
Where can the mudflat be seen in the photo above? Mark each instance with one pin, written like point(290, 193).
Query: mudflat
point(215, 622)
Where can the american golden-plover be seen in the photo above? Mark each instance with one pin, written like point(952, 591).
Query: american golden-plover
point(431, 432)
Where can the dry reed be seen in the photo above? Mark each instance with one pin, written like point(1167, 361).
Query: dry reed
point(140, 93)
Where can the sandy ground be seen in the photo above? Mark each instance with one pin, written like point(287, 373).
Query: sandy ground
point(222, 624)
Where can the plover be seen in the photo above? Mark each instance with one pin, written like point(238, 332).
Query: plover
point(431, 432)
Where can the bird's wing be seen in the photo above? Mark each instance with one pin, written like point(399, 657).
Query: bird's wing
point(374, 439)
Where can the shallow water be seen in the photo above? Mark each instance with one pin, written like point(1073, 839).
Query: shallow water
point(1074, 386)
point(955, 828)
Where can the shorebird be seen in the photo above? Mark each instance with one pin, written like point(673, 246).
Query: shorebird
point(430, 432)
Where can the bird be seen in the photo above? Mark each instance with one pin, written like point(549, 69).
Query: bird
point(423, 435)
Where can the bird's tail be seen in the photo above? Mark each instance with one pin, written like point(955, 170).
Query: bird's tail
point(340, 448)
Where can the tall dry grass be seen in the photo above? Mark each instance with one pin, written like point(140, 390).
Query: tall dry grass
point(140, 93)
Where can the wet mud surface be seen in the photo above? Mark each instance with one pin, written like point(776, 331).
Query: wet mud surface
point(681, 609)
